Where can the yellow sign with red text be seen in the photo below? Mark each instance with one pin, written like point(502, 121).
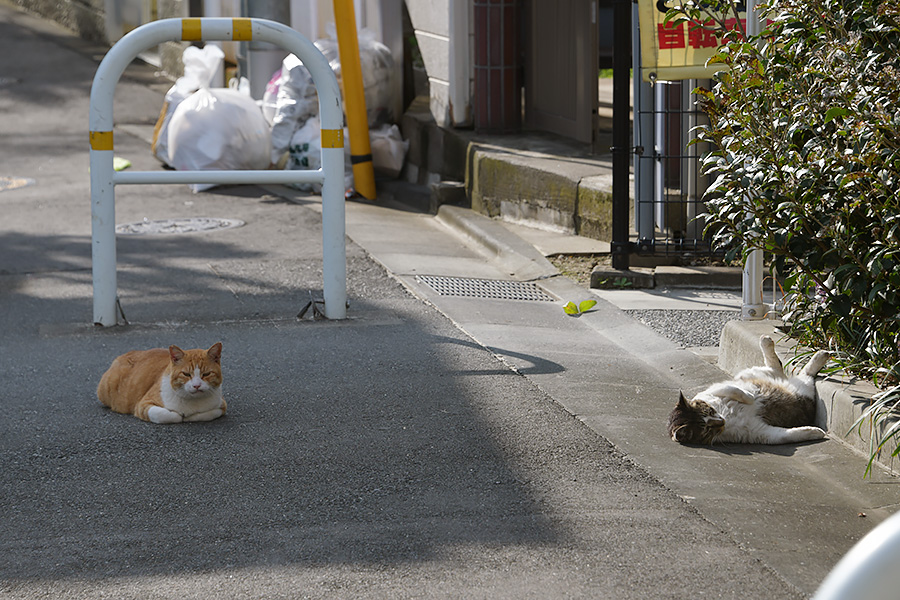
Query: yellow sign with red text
point(677, 50)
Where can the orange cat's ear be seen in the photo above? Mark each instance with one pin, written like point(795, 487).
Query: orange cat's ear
point(215, 351)
point(175, 353)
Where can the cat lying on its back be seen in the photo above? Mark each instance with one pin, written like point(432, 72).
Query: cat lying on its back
point(760, 406)
point(166, 386)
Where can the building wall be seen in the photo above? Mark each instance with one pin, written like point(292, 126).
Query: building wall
point(430, 23)
point(443, 34)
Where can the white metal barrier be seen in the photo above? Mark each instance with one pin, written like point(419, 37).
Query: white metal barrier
point(870, 570)
point(752, 306)
point(104, 178)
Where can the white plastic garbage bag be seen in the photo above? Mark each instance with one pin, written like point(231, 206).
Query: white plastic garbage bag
point(377, 65)
point(305, 152)
point(291, 95)
point(388, 149)
point(200, 65)
point(296, 101)
point(270, 96)
point(218, 129)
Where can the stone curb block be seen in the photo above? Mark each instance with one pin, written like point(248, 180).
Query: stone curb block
point(700, 277)
point(667, 276)
point(523, 260)
point(607, 278)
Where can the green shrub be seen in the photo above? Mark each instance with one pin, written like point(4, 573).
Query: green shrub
point(805, 137)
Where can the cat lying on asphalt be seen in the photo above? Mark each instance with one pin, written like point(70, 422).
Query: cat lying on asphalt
point(761, 405)
point(166, 386)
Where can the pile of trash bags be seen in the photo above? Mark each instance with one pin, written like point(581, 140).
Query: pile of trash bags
point(204, 128)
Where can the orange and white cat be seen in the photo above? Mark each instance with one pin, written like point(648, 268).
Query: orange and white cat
point(166, 386)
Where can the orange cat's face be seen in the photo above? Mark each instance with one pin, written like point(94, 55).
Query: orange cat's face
point(195, 373)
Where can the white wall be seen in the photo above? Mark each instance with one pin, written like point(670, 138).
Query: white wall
point(443, 32)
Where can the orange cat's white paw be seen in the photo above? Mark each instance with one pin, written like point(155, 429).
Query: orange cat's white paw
point(163, 416)
point(765, 342)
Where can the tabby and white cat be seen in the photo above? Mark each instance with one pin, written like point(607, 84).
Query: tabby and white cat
point(761, 405)
point(166, 386)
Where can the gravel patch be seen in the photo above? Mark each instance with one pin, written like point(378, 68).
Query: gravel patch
point(689, 328)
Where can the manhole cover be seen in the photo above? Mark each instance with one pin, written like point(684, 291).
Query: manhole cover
point(485, 288)
point(14, 183)
point(168, 226)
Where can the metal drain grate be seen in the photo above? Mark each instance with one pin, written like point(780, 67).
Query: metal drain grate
point(485, 288)
point(169, 226)
point(14, 183)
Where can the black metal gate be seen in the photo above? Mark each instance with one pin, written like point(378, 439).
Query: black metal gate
point(669, 185)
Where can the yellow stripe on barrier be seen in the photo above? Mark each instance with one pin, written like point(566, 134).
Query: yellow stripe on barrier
point(242, 30)
point(332, 138)
point(101, 140)
point(191, 30)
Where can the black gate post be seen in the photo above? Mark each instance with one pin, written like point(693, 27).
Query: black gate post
point(621, 148)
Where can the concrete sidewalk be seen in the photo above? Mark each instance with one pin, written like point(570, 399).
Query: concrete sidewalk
point(438, 443)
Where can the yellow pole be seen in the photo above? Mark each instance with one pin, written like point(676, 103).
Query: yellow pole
point(354, 99)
